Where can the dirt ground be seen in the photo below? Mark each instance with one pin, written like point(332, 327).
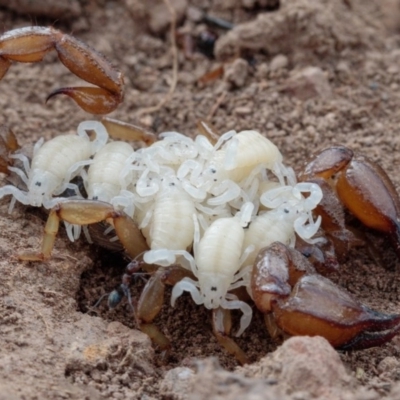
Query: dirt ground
point(308, 74)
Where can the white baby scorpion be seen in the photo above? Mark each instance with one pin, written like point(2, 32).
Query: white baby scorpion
point(109, 175)
point(168, 224)
point(223, 166)
point(290, 213)
point(54, 164)
point(218, 256)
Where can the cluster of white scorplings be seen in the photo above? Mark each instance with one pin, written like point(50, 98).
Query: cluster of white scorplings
point(210, 207)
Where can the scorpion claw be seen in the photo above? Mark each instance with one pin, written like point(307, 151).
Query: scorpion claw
point(306, 303)
point(317, 306)
point(381, 331)
point(93, 100)
point(361, 186)
point(31, 44)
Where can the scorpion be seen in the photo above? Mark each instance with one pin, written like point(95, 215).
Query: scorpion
point(207, 215)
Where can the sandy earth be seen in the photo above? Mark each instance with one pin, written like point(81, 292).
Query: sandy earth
point(314, 73)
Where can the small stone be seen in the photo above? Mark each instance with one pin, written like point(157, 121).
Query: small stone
point(390, 14)
point(194, 14)
point(278, 62)
point(155, 13)
point(146, 120)
point(388, 364)
point(343, 66)
point(262, 71)
point(360, 373)
point(177, 381)
point(242, 111)
point(236, 73)
point(393, 70)
point(305, 365)
point(308, 83)
point(270, 125)
point(159, 16)
point(248, 3)
point(96, 375)
point(45, 8)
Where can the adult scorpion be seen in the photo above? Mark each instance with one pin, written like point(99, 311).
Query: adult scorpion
point(208, 215)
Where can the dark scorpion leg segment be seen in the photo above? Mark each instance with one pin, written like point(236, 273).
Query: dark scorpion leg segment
point(152, 299)
point(84, 212)
point(8, 145)
point(222, 333)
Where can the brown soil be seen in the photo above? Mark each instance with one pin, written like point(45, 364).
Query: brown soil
point(53, 344)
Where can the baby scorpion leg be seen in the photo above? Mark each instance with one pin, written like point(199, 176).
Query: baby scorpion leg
point(85, 212)
point(31, 44)
point(304, 303)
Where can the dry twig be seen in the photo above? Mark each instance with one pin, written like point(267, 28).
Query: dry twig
point(174, 50)
point(216, 105)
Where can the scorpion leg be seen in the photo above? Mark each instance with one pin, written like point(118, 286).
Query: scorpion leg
point(8, 145)
point(124, 131)
point(31, 44)
point(322, 255)
point(152, 299)
point(333, 223)
point(222, 326)
point(84, 212)
point(306, 303)
point(208, 130)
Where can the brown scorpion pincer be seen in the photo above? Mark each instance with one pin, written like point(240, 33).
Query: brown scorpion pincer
point(31, 44)
point(357, 184)
point(296, 300)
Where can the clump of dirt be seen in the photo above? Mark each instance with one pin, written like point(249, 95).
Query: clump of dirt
point(308, 74)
